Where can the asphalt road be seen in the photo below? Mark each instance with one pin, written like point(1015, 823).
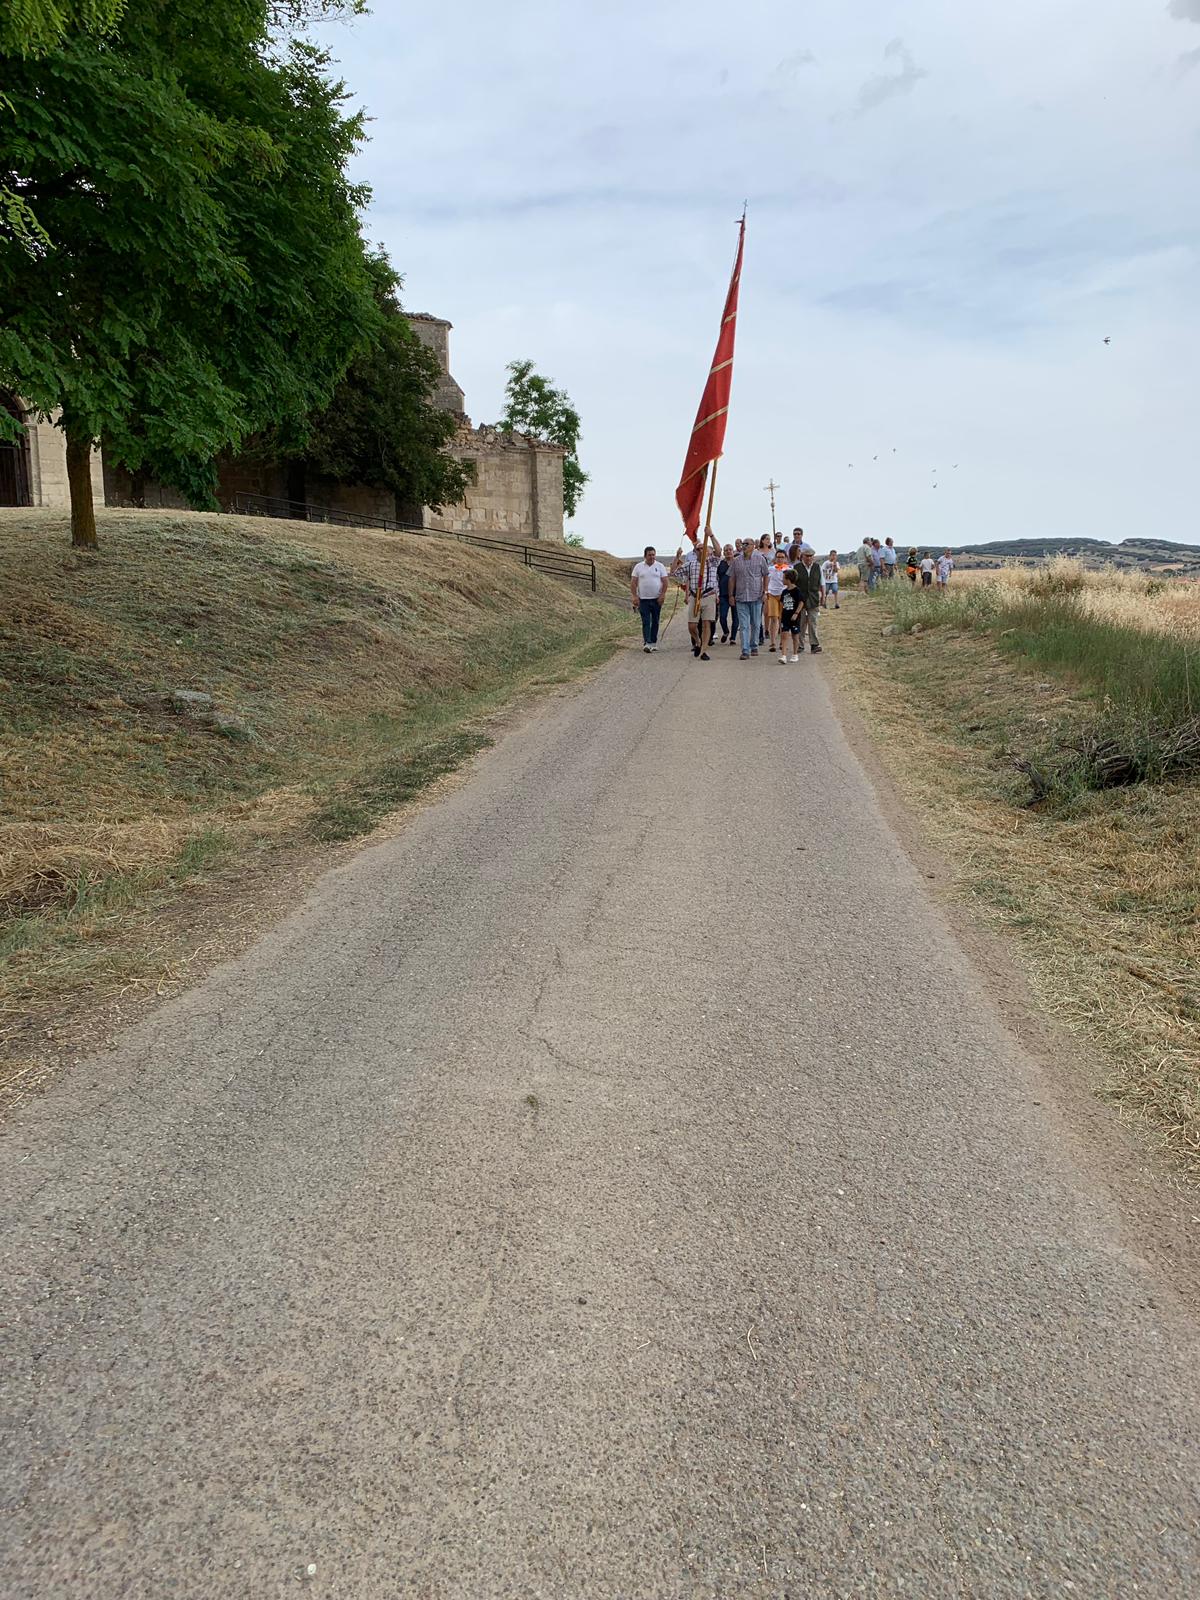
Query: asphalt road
point(559, 1204)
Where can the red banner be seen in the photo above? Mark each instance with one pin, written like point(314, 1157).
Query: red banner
point(708, 436)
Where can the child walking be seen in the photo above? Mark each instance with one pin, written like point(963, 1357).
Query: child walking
point(791, 609)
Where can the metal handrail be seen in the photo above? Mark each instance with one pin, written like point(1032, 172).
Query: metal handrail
point(539, 558)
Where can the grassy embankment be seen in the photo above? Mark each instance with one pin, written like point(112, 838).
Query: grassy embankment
point(347, 670)
point(1045, 725)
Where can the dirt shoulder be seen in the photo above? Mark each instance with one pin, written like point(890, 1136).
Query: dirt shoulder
point(1096, 902)
point(198, 722)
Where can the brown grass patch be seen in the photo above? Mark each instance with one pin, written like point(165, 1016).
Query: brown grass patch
point(356, 666)
point(1100, 895)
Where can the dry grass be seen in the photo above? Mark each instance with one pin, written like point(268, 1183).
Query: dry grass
point(360, 664)
point(1100, 894)
point(1122, 599)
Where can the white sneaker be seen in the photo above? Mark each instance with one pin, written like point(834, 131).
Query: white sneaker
point(653, 648)
point(646, 649)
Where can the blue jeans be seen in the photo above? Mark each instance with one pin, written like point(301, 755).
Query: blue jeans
point(749, 616)
point(651, 610)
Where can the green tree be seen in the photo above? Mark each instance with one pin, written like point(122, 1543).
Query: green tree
point(382, 426)
point(204, 276)
point(32, 27)
point(533, 405)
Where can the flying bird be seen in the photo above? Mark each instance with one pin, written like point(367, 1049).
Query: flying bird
point(874, 458)
point(1108, 341)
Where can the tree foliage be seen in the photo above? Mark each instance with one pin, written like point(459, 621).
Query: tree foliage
point(32, 27)
point(382, 427)
point(533, 405)
point(201, 275)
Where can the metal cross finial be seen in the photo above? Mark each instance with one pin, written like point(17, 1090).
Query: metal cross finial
point(771, 488)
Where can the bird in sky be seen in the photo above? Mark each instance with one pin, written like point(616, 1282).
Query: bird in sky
point(874, 458)
point(1108, 341)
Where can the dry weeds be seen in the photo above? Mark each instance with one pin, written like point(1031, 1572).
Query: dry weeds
point(1101, 898)
point(341, 650)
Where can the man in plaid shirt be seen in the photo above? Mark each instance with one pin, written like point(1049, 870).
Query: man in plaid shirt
point(687, 572)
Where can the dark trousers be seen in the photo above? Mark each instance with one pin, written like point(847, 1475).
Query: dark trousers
point(727, 615)
point(651, 611)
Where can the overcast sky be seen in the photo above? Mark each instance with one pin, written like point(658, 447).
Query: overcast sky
point(951, 206)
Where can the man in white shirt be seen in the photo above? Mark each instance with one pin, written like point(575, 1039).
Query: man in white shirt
point(647, 586)
point(830, 575)
point(945, 566)
point(889, 559)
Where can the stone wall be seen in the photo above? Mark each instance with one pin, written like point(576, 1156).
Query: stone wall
point(48, 465)
point(517, 493)
point(435, 333)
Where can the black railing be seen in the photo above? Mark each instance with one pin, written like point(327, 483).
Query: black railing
point(558, 562)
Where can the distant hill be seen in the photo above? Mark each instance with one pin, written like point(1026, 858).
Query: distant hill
point(1150, 555)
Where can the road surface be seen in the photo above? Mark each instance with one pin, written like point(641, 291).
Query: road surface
point(564, 1203)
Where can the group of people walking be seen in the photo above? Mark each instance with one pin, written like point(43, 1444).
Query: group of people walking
point(766, 592)
point(759, 593)
point(877, 563)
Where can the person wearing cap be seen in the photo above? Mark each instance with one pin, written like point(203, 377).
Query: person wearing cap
point(647, 586)
point(808, 581)
point(702, 619)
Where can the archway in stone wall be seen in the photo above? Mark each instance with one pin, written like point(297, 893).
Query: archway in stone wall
point(14, 459)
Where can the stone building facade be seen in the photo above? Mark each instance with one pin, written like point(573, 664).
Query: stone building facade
point(518, 488)
point(33, 472)
point(517, 492)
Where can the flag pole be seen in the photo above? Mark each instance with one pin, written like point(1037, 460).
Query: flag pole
point(712, 491)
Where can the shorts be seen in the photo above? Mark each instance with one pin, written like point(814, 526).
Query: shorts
point(773, 609)
point(831, 588)
point(708, 607)
point(791, 620)
point(926, 579)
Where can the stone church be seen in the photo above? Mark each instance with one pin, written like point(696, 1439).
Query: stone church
point(517, 492)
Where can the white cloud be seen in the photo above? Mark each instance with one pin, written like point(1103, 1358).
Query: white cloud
point(1185, 10)
point(938, 278)
point(887, 85)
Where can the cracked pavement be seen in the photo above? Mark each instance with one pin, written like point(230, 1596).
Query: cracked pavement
point(526, 1216)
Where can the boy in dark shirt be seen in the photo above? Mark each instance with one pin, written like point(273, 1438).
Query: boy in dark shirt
point(791, 611)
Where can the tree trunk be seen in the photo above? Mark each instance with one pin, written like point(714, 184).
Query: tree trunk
point(79, 480)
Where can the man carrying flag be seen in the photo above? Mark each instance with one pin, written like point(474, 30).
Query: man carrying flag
point(707, 442)
point(699, 579)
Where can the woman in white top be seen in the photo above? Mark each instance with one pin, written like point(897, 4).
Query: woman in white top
point(773, 611)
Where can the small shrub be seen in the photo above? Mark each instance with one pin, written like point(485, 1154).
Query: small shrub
point(1058, 579)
